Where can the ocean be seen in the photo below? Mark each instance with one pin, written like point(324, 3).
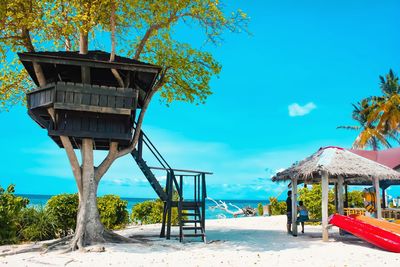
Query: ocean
point(40, 200)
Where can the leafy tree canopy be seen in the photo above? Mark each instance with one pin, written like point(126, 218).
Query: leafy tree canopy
point(144, 29)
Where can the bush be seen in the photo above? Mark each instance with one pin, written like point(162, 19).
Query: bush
point(113, 211)
point(63, 209)
point(36, 224)
point(149, 212)
point(312, 200)
point(260, 209)
point(355, 199)
point(277, 207)
point(10, 209)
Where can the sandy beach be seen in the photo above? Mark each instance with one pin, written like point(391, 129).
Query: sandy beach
point(260, 241)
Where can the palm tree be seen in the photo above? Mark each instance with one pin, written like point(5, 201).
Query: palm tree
point(386, 109)
point(369, 136)
point(379, 115)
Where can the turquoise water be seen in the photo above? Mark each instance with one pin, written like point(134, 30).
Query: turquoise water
point(40, 200)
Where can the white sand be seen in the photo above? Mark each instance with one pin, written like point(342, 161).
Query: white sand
point(258, 241)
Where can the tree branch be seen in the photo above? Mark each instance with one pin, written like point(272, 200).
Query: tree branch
point(112, 55)
point(105, 165)
point(73, 160)
point(27, 41)
point(138, 128)
point(151, 29)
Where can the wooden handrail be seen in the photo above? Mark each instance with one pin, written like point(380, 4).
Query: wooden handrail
point(180, 170)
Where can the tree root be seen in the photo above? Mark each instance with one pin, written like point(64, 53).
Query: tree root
point(43, 248)
point(76, 243)
point(56, 243)
point(24, 250)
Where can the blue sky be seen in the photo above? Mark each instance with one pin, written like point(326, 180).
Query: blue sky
point(280, 96)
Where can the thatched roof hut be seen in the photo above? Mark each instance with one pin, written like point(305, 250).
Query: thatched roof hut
point(337, 162)
point(341, 167)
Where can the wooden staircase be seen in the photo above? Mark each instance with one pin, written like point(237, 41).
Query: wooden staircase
point(191, 221)
point(191, 210)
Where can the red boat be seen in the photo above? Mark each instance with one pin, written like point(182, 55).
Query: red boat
point(375, 235)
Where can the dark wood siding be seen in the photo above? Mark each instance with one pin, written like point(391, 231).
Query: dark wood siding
point(85, 111)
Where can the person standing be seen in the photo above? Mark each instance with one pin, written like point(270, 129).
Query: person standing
point(289, 211)
point(303, 215)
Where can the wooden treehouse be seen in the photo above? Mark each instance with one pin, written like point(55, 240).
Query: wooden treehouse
point(82, 99)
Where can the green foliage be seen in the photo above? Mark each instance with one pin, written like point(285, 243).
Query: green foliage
point(277, 207)
point(146, 28)
point(355, 199)
point(10, 209)
point(312, 199)
point(378, 116)
point(113, 211)
point(63, 208)
point(57, 219)
point(36, 224)
point(149, 212)
point(260, 209)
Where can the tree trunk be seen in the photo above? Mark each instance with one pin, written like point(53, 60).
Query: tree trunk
point(89, 229)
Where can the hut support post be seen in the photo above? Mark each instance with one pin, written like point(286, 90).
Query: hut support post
point(340, 208)
point(384, 198)
point(324, 204)
point(336, 197)
point(378, 199)
point(294, 207)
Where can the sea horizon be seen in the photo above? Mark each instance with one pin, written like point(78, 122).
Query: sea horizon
point(41, 200)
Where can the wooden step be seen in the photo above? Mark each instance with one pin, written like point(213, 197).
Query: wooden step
point(190, 214)
point(191, 228)
point(191, 221)
point(194, 235)
point(191, 204)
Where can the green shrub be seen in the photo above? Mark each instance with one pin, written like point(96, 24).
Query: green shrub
point(63, 209)
point(312, 200)
point(36, 224)
point(10, 209)
point(277, 207)
point(260, 209)
point(355, 199)
point(149, 212)
point(113, 211)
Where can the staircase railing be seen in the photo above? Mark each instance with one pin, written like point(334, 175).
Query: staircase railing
point(172, 185)
point(143, 139)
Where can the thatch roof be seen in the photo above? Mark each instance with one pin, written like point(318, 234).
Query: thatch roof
point(337, 162)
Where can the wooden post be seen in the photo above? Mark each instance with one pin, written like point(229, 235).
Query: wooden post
point(294, 206)
point(340, 182)
point(336, 197)
point(140, 145)
point(384, 200)
point(377, 199)
point(346, 196)
point(324, 204)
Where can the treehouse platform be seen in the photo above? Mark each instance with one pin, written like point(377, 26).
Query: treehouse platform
point(82, 98)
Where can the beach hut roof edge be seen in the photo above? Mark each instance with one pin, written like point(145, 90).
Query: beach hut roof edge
point(337, 162)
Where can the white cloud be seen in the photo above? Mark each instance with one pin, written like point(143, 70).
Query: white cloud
point(297, 110)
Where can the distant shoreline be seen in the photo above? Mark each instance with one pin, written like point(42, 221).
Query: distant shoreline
point(40, 200)
point(144, 199)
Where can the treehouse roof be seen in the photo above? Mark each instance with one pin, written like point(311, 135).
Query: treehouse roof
point(66, 66)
